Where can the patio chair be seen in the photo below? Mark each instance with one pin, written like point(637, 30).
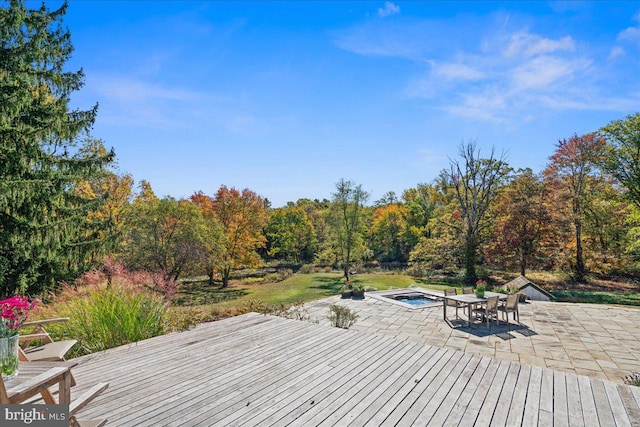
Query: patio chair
point(451, 303)
point(510, 306)
point(489, 311)
point(467, 290)
point(74, 407)
point(48, 350)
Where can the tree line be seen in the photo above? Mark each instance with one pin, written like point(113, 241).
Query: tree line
point(64, 207)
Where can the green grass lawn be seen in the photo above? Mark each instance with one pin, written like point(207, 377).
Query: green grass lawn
point(301, 288)
point(297, 288)
point(595, 297)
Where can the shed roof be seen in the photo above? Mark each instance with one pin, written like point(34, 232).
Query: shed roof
point(521, 282)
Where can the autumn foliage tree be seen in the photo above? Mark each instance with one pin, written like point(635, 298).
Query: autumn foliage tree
point(475, 182)
point(573, 171)
point(522, 225)
point(165, 235)
point(388, 232)
point(243, 216)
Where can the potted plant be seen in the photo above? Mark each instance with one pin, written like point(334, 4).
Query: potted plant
point(345, 292)
point(481, 286)
point(357, 291)
point(13, 313)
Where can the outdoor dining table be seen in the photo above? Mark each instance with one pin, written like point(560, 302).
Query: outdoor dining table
point(37, 378)
point(470, 300)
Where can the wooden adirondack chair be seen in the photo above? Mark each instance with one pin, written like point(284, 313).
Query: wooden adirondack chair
point(40, 384)
point(48, 350)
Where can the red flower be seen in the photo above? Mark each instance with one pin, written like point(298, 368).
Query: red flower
point(13, 312)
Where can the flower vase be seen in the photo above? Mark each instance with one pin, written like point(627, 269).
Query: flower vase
point(9, 357)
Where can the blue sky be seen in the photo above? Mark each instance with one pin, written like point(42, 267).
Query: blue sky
point(286, 98)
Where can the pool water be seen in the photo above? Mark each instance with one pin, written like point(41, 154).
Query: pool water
point(416, 300)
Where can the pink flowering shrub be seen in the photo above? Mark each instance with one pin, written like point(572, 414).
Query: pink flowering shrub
point(13, 313)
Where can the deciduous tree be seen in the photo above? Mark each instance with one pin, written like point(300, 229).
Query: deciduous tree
point(574, 168)
point(165, 235)
point(622, 158)
point(388, 231)
point(347, 223)
point(290, 235)
point(242, 215)
point(522, 224)
point(475, 182)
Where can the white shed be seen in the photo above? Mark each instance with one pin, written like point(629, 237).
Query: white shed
point(530, 289)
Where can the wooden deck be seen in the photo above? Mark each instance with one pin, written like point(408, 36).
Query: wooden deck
point(260, 370)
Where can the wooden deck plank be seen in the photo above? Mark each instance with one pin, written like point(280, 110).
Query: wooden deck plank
point(435, 393)
point(630, 404)
point(496, 372)
point(501, 411)
point(270, 370)
point(390, 387)
point(263, 370)
point(617, 407)
point(340, 391)
point(449, 400)
point(532, 405)
point(405, 384)
point(545, 415)
point(462, 402)
point(603, 408)
point(574, 403)
point(279, 370)
point(411, 392)
point(200, 360)
point(636, 394)
point(364, 387)
point(135, 360)
point(221, 371)
point(306, 395)
point(434, 375)
point(519, 399)
point(493, 392)
point(587, 402)
point(372, 396)
point(560, 409)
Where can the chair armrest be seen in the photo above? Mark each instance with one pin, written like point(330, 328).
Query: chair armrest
point(87, 397)
point(45, 321)
point(35, 385)
point(32, 337)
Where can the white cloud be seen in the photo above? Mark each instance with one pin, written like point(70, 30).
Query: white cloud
point(525, 44)
point(545, 71)
point(509, 75)
point(389, 9)
point(456, 71)
point(631, 34)
point(616, 52)
point(128, 90)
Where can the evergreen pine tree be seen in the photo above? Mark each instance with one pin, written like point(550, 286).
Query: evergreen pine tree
point(45, 150)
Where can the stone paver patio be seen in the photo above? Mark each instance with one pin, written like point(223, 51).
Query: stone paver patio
point(596, 340)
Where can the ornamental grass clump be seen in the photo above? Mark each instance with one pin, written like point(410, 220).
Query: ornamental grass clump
point(110, 316)
point(632, 379)
point(112, 306)
point(341, 317)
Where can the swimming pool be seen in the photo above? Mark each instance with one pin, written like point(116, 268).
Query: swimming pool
point(409, 298)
